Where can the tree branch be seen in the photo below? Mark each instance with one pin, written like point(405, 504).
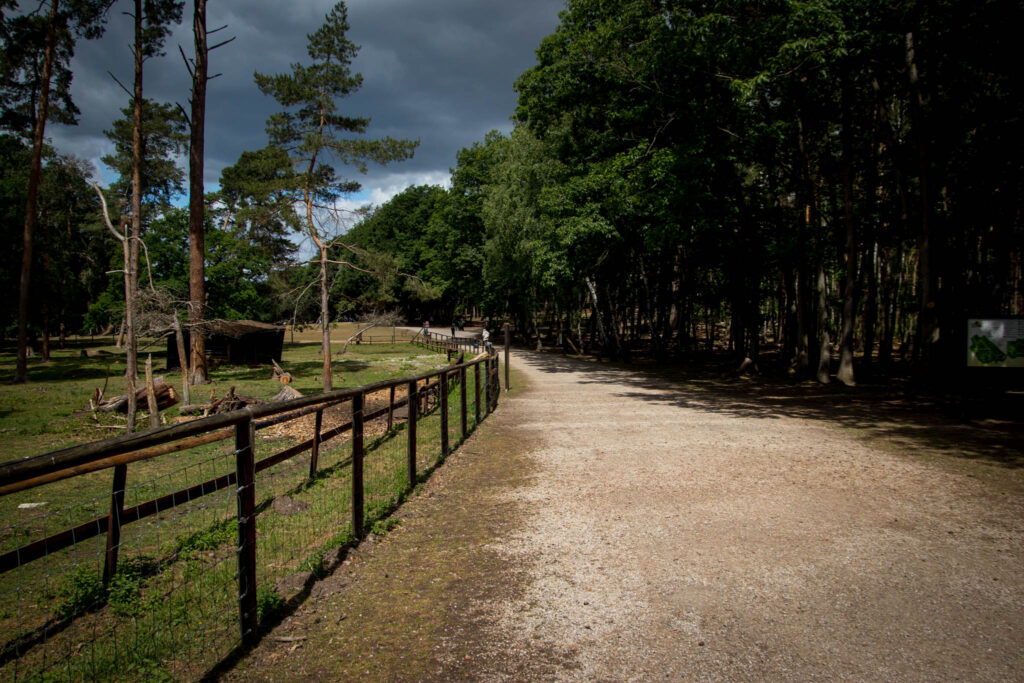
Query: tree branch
point(131, 95)
point(184, 113)
point(106, 215)
point(346, 263)
point(188, 62)
point(220, 44)
point(149, 269)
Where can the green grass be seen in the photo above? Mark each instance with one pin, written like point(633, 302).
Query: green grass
point(171, 610)
point(37, 417)
point(175, 616)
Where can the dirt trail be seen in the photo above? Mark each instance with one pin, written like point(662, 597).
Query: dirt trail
point(656, 530)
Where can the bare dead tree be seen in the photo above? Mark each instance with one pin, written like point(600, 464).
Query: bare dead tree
point(124, 237)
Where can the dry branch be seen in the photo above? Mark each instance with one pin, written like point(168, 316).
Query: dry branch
point(230, 401)
point(164, 392)
point(389, 319)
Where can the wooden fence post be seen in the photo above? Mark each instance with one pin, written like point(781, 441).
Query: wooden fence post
point(314, 452)
point(442, 388)
point(114, 523)
point(476, 390)
point(487, 386)
point(495, 382)
point(507, 344)
point(357, 465)
point(462, 401)
point(411, 452)
point(391, 408)
point(245, 470)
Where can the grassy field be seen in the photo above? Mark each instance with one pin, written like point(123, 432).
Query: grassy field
point(171, 609)
point(37, 417)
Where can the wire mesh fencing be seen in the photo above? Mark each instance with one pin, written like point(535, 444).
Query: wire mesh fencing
point(143, 581)
point(164, 551)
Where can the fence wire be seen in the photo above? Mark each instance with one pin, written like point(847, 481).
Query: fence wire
point(170, 598)
point(147, 579)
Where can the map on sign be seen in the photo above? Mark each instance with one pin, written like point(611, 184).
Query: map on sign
point(995, 342)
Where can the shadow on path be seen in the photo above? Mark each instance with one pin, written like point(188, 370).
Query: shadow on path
point(992, 431)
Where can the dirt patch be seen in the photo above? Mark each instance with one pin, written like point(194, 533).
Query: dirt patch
point(413, 604)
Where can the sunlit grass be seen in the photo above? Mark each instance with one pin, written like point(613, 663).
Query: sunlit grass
point(38, 416)
point(173, 612)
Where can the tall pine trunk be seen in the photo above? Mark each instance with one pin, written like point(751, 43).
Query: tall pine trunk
point(824, 341)
point(595, 314)
point(325, 322)
point(135, 234)
point(845, 372)
point(927, 322)
point(870, 270)
point(196, 203)
point(35, 174)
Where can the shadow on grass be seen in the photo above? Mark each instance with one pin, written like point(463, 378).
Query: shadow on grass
point(60, 369)
point(989, 429)
point(334, 558)
point(263, 372)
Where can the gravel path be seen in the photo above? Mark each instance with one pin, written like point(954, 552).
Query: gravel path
point(610, 525)
point(668, 534)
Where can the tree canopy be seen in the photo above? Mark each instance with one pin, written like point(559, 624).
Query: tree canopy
point(826, 185)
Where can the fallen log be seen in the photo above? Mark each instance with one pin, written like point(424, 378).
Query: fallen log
point(280, 374)
point(164, 392)
point(287, 393)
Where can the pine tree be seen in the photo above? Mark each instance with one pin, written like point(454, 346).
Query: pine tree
point(313, 133)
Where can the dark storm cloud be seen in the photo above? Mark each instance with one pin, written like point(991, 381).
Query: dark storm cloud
point(440, 71)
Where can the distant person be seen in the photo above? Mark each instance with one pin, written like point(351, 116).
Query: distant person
point(453, 329)
point(486, 337)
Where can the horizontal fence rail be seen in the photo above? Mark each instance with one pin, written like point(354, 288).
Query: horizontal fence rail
point(442, 342)
point(207, 535)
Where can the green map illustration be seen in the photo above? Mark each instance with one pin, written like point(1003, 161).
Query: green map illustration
point(987, 352)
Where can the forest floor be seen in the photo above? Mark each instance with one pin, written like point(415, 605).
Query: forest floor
point(615, 524)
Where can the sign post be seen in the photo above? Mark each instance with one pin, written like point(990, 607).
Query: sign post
point(506, 356)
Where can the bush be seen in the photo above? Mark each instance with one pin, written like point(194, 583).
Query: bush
point(126, 587)
point(268, 602)
point(83, 592)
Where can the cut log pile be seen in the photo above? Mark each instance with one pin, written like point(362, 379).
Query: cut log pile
point(228, 402)
point(165, 398)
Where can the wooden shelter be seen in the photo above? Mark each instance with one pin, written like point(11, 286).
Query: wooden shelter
point(237, 342)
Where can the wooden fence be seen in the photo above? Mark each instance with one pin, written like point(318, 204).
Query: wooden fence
point(441, 395)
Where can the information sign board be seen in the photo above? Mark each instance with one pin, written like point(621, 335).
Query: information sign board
point(995, 342)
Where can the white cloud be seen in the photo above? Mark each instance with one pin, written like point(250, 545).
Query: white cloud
point(385, 187)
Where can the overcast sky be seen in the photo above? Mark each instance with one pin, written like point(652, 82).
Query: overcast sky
point(440, 71)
